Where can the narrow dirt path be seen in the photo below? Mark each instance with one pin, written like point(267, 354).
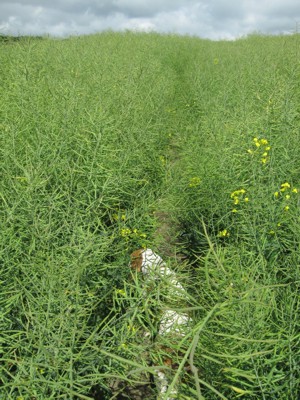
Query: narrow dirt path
point(166, 237)
point(168, 227)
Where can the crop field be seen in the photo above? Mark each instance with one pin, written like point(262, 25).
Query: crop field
point(118, 141)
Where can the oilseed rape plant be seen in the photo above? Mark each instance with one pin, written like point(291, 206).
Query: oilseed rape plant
point(194, 182)
point(118, 141)
point(238, 197)
point(260, 149)
point(224, 233)
point(286, 195)
point(133, 237)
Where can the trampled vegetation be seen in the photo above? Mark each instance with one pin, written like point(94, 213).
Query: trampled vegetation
point(100, 137)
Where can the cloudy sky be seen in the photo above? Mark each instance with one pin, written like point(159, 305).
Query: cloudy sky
point(214, 19)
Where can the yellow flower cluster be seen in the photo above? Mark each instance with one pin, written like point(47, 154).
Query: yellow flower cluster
point(237, 197)
point(223, 233)
point(163, 160)
point(285, 192)
point(120, 292)
point(262, 148)
point(126, 233)
point(194, 182)
point(131, 328)
point(118, 217)
point(171, 110)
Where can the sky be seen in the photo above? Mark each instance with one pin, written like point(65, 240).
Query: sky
point(212, 19)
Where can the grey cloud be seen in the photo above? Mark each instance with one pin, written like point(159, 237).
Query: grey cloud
point(130, 8)
point(223, 9)
point(144, 8)
point(213, 19)
point(283, 9)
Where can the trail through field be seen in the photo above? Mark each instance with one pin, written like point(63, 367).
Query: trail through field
point(168, 228)
point(166, 240)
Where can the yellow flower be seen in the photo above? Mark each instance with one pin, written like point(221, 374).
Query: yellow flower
point(268, 148)
point(116, 217)
point(276, 194)
point(295, 190)
point(272, 232)
point(285, 185)
point(194, 182)
point(236, 200)
point(246, 199)
point(255, 140)
point(265, 154)
point(121, 292)
point(162, 160)
point(224, 233)
point(236, 193)
point(125, 232)
point(131, 328)
point(234, 210)
point(263, 141)
point(286, 208)
point(287, 196)
point(264, 160)
point(250, 151)
point(257, 144)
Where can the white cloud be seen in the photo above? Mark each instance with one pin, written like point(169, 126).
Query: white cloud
point(206, 18)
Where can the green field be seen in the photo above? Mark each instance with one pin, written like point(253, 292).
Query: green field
point(113, 142)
